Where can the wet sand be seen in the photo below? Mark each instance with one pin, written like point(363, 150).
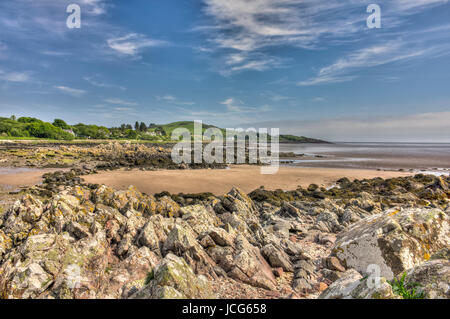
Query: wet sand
point(389, 156)
point(219, 181)
point(14, 178)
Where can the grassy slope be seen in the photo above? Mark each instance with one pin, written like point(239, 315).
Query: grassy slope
point(168, 128)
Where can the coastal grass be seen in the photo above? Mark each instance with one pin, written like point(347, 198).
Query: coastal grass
point(406, 291)
point(150, 276)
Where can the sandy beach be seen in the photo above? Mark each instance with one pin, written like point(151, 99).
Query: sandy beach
point(13, 179)
point(218, 182)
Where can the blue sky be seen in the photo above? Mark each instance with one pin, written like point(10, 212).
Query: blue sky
point(309, 67)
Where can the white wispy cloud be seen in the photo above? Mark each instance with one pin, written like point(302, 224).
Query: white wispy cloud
point(120, 102)
point(93, 81)
point(123, 109)
point(234, 105)
point(173, 100)
point(95, 7)
point(71, 91)
point(367, 57)
point(19, 77)
point(132, 44)
point(244, 28)
point(43, 23)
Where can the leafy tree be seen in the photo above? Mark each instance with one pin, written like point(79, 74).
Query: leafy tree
point(47, 130)
point(13, 117)
point(132, 134)
point(136, 126)
point(142, 127)
point(60, 123)
point(91, 131)
point(28, 120)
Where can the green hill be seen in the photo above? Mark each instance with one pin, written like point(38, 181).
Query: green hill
point(189, 125)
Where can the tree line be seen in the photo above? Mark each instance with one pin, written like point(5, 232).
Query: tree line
point(59, 130)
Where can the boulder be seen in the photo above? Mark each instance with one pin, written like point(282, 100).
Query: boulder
point(342, 287)
point(179, 240)
point(277, 258)
point(353, 286)
point(395, 240)
point(174, 279)
point(244, 262)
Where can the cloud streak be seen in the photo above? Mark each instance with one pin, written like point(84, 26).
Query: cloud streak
point(71, 91)
point(133, 44)
point(243, 29)
point(17, 77)
point(377, 55)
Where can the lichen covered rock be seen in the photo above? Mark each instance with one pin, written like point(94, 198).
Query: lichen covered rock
point(395, 240)
point(174, 279)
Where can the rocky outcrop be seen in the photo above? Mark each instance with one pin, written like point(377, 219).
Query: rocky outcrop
point(395, 240)
point(90, 241)
point(101, 243)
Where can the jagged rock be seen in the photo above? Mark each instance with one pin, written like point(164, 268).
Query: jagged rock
point(330, 274)
point(237, 201)
point(200, 218)
point(173, 279)
point(244, 262)
point(221, 237)
point(304, 269)
point(302, 285)
point(77, 230)
point(182, 242)
point(148, 237)
point(395, 240)
point(342, 287)
point(277, 258)
point(179, 240)
point(328, 222)
point(334, 264)
point(167, 207)
point(289, 210)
